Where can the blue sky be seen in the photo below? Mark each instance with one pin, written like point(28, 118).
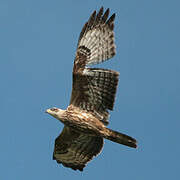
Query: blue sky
point(38, 40)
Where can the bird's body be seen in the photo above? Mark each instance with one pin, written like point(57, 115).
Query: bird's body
point(80, 121)
point(93, 94)
point(85, 122)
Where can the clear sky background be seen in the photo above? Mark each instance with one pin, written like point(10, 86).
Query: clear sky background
point(38, 40)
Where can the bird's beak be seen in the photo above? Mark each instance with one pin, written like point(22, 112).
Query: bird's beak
point(47, 111)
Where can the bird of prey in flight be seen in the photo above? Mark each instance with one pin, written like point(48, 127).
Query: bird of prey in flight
point(93, 94)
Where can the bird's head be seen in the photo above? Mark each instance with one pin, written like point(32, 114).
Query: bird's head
point(55, 112)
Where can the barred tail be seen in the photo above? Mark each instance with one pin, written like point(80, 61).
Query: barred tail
point(120, 138)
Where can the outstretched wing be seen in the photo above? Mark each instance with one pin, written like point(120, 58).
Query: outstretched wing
point(94, 89)
point(74, 149)
point(96, 40)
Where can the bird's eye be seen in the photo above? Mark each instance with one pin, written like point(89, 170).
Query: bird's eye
point(54, 109)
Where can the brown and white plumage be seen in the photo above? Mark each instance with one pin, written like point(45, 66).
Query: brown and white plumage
point(96, 40)
point(75, 149)
point(93, 94)
point(94, 89)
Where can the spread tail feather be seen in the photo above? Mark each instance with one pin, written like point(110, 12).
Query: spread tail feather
point(120, 138)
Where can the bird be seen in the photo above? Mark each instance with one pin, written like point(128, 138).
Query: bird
point(93, 95)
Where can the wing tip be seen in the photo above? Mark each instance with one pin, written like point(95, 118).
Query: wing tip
point(70, 165)
point(74, 167)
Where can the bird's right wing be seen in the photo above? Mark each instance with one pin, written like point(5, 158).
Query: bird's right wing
point(94, 89)
point(74, 149)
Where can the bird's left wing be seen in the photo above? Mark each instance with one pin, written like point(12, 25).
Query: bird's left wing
point(74, 149)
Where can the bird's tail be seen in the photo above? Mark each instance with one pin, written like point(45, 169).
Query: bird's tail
point(120, 138)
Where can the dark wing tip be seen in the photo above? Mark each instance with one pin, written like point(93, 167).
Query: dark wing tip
point(105, 16)
point(93, 14)
point(91, 19)
point(74, 167)
point(101, 9)
point(99, 15)
point(83, 31)
point(98, 18)
point(110, 21)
